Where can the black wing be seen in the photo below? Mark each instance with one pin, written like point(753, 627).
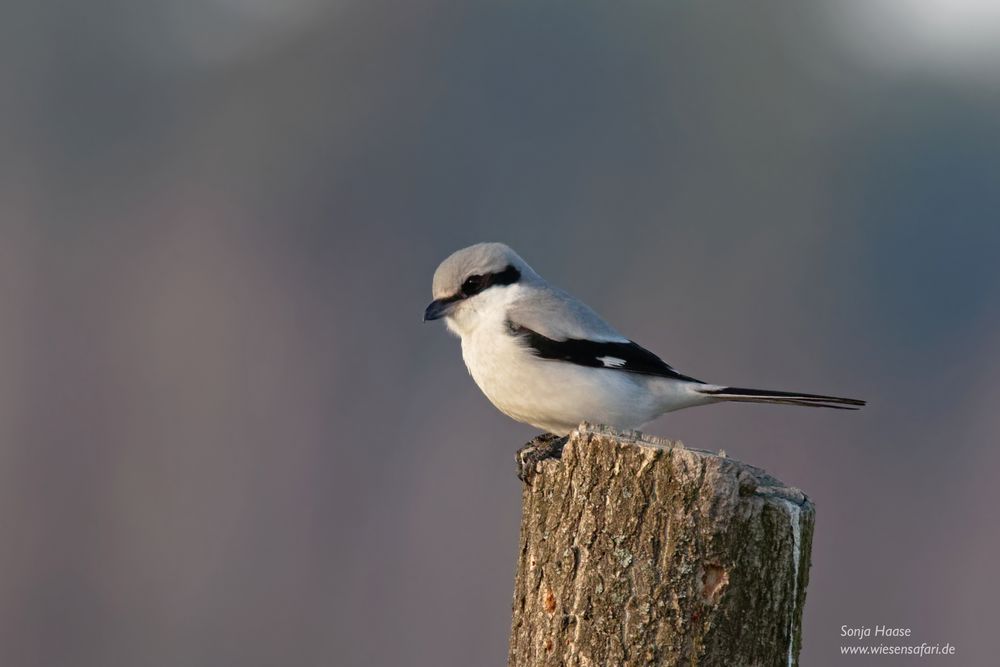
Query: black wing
point(625, 356)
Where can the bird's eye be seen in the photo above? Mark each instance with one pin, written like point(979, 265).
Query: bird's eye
point(473, 285)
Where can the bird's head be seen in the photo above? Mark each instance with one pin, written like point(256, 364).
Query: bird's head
point(472, 279)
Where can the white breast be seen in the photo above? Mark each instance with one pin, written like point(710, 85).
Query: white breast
point(552, 395)
point(500, 365)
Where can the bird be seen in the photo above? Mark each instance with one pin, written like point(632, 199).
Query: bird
point(545, 358)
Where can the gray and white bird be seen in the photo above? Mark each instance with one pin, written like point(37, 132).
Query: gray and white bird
point(546, 359)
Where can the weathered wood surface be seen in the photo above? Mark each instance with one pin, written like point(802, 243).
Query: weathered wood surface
point(639, 551)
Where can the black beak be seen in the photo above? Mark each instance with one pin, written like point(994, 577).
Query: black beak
point(437, 309)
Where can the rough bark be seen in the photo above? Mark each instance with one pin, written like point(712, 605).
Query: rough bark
point(640, 551)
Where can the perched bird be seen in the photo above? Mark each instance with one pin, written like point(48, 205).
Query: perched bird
point(544, 358)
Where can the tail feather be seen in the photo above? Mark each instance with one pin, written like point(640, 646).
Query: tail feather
point(744, 395)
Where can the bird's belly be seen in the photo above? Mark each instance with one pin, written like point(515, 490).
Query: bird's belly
point(555, 395)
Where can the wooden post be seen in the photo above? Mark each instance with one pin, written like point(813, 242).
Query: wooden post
point(640, 551)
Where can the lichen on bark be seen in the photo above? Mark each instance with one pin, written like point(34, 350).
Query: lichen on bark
point(640, 551)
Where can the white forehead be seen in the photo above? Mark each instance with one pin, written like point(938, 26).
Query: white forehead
point(479, 259)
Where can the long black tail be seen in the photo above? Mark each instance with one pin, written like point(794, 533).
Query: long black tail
point(745, 395)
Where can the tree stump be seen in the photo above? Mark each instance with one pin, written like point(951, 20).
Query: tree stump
point(639, 551)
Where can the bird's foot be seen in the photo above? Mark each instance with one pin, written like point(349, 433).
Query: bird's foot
point(545, 446)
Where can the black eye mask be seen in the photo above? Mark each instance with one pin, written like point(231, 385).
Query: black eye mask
point(475, 284)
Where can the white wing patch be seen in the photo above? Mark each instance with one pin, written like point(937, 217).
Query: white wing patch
point(611, 362)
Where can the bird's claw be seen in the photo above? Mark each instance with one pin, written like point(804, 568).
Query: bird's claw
point(545, 446)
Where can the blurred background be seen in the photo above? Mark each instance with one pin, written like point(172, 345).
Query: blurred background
point(227, 438)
